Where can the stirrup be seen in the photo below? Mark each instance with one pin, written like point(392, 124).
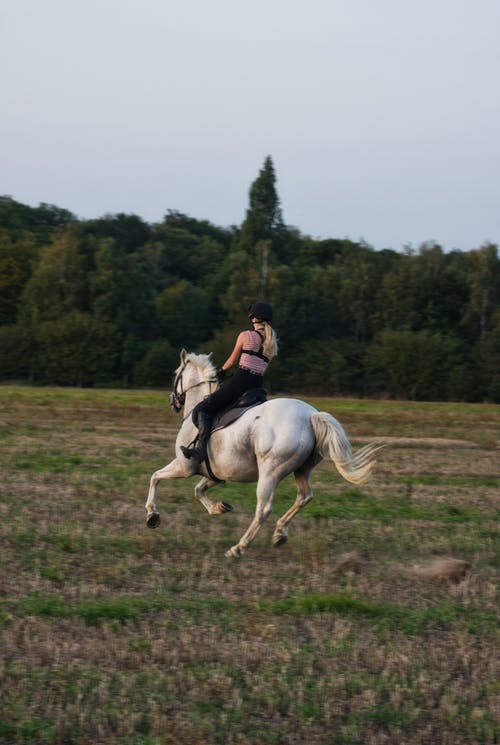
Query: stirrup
point(190, 453)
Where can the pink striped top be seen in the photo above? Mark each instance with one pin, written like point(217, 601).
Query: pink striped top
point(253, 342)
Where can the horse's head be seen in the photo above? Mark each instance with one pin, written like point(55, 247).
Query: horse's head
point(193, 371)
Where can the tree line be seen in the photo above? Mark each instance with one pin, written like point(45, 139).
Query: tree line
point(111, 301)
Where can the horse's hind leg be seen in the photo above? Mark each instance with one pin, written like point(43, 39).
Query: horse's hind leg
point(266, 487)
point(304, 495)
point(213, 508)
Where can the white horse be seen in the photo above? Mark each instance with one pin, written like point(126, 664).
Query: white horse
point(264, 445)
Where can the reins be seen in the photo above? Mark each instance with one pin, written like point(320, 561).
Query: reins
point(177, 400)
point(210, 382)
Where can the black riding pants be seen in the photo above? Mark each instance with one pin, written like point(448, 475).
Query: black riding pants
point(230, 390)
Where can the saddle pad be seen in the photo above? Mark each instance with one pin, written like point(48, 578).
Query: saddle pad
point(225, 418)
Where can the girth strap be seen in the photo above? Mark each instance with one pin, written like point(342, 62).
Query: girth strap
point(211, 473)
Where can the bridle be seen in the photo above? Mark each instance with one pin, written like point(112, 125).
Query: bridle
point(178, 397)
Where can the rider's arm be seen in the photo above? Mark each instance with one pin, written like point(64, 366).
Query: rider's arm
point(235, 354)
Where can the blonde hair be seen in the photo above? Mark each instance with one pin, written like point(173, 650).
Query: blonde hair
point(270, 343)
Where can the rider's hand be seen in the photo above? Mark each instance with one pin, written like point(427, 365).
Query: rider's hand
point(220, 374)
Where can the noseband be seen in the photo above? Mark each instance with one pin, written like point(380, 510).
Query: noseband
point(178, 397)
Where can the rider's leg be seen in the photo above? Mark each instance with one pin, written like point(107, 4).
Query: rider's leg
point(204, 412)
point(204, 423)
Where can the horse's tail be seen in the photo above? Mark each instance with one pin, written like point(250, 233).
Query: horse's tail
point(332, 443)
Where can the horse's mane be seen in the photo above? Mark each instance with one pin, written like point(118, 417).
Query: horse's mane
point(204, 364)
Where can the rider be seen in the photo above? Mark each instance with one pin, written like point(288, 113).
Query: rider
point(253, 351)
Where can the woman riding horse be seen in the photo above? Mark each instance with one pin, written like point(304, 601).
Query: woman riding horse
point(253, 352)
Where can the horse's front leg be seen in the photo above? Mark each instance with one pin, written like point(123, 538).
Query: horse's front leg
point(213, 508)
point(266, 487)
point(175, 470)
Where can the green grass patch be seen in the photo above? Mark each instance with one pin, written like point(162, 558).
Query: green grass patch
point(384, 615)
point(42, 462)
point(92, 611)
point(36, 730)
point(406, 620)
point(95, 610)
point(386, 715)
point(351, 504)
point(430, 479)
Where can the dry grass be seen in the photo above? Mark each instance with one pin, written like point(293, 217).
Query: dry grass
point(443, 569)
point(376, 623)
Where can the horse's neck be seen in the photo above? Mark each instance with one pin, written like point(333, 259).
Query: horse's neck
point(194, 396)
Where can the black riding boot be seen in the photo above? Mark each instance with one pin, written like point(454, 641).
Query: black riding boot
point(199, 452)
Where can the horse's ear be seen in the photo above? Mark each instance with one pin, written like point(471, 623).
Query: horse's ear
point(210, 355)
point(183, 355)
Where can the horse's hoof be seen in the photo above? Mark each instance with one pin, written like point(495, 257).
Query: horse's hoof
point(234, 552)
point(153, 520)
point(279, 539)
point(220, 508)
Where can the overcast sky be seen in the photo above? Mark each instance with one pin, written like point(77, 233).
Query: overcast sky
point(382, 116)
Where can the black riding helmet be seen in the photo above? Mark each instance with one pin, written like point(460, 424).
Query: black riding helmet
point(262, 311)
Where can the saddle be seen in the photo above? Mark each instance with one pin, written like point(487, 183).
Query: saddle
point(248, 400)
point(230, 414)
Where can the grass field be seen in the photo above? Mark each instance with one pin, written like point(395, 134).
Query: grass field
point(356, 631)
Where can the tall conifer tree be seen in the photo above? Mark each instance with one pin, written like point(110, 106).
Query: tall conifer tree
point(253, 257)
point(264, 220)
